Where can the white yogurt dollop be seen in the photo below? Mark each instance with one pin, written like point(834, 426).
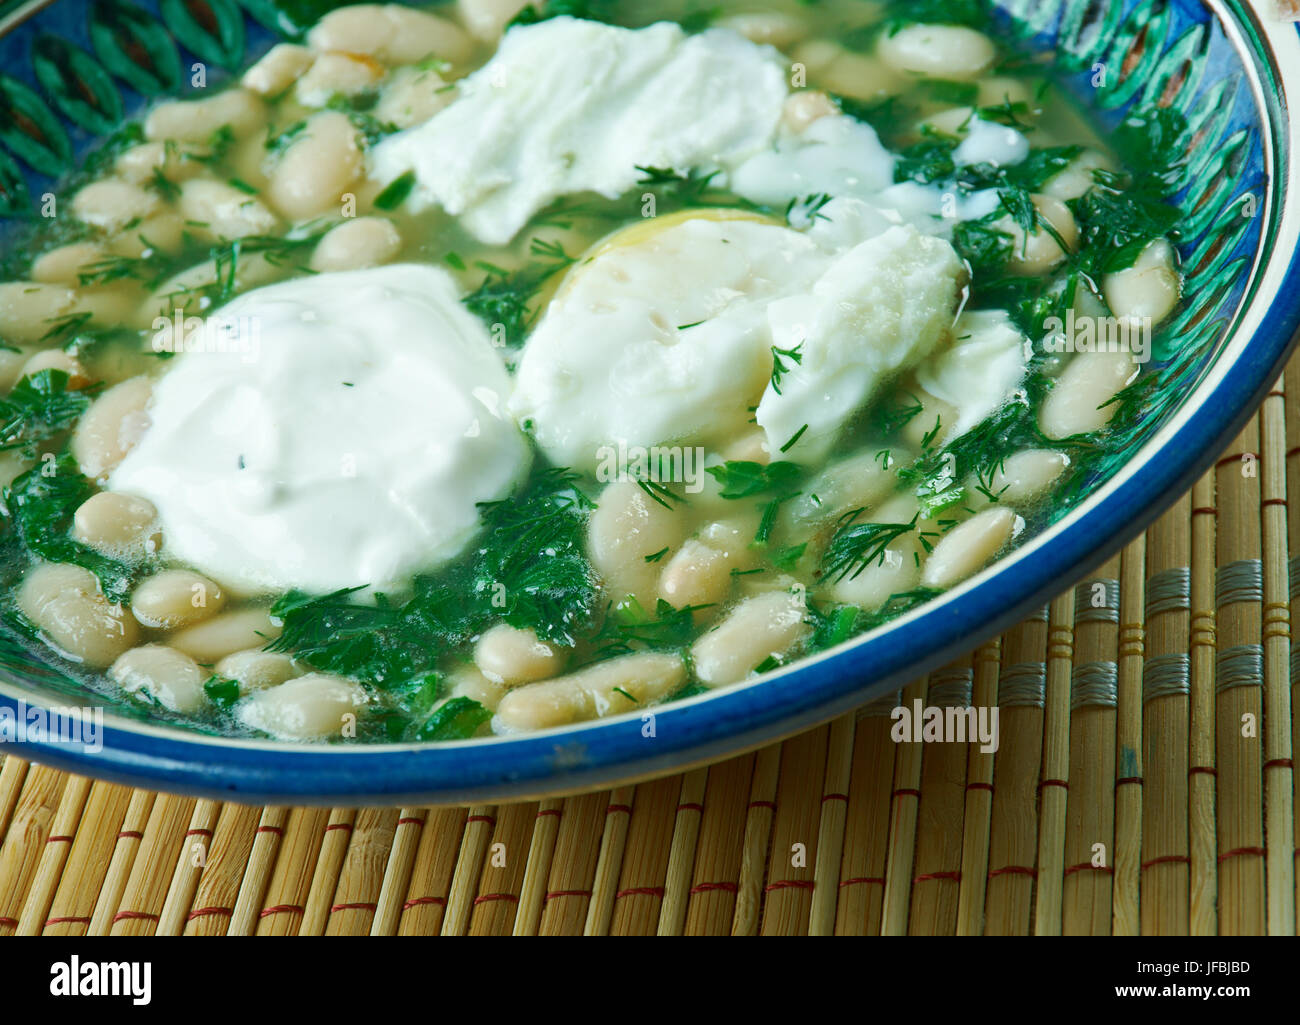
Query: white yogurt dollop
point(346, 446)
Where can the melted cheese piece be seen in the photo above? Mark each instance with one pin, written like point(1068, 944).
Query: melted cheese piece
point(346, 447)
point(571, 106)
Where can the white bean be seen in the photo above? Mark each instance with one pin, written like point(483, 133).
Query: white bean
point(318, 167)
point(198, 120)
point(1149, 290)
point(759, 628)
point(185, 291)
point(860, 76)
point(937, 51)
point(28, 308)
point(12, 464)
point(114, 523)
point(1076, 177)
point(336, 74)
point(412, 96)
point(65, 603)
point(110, 428)
point(255, 669)
point(111, 204)
point(696, 575)
point(1040, 252)
point(468, 682)
point(219, 210)
point(932, 424)
point(312, 707)
point(175, 598)
point(278, 69)
point(511, 656)
point(969, 546)
point(1080, 400)
point(1028, 475)
point(56, 359)
point(779, 30)
point(64, 265)
point(803, 108)
point(606, 688)
point(626, 526)
point(164, 230)
point(858, 482)
point(141, 165)
point(226, 633)
point(487, 19)
point(169, 677)
point(700, 572)
point(356, 243)
point(390, 32)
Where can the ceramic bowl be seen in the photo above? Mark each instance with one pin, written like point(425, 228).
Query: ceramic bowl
point(70, 70)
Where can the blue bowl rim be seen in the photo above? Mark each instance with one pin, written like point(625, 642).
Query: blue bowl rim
point(706, 728)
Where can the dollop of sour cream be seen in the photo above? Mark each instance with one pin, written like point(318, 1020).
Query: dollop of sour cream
point(570, 106)
point(343, 443)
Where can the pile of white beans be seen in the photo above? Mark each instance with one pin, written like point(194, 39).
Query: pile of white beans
point(177, 629)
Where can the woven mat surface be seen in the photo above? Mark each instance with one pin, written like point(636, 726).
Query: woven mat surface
point(1143, 784)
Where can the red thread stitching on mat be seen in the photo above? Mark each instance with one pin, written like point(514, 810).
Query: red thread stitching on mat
point(1237, 852)
point(1014, 870)
point(691, 807)
point(485, 898)
point(762, 804)
point(928, 876)
point(1206, 769)
point(860, 880)
point(835, 797)
point(1272, 501)
point(1167, 859)
point(549, 811)
point(789, 884)
point(907, 793)
point(1235, 457)
point(339, 825)
point(123, 916)
point(1206, 510)
point(198, 832)
point(204, 912)
point(980, 786)
point(59, 839)
point(9, 921)
point(566, 893)
point(1279, 763)
point(417, 901)
point(1087, 866)
point(489, 819)
point(281, 909)
point(625, 808)
point(359, 906)
point(640, 891)
point(130, 834)
point(271, 829)
point(411, 821)
point(67, 918)
point(1054, 783)
point(1124, 780)
point(706, 887)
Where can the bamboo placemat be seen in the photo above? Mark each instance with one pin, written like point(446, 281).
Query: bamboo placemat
point(1143, 784)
